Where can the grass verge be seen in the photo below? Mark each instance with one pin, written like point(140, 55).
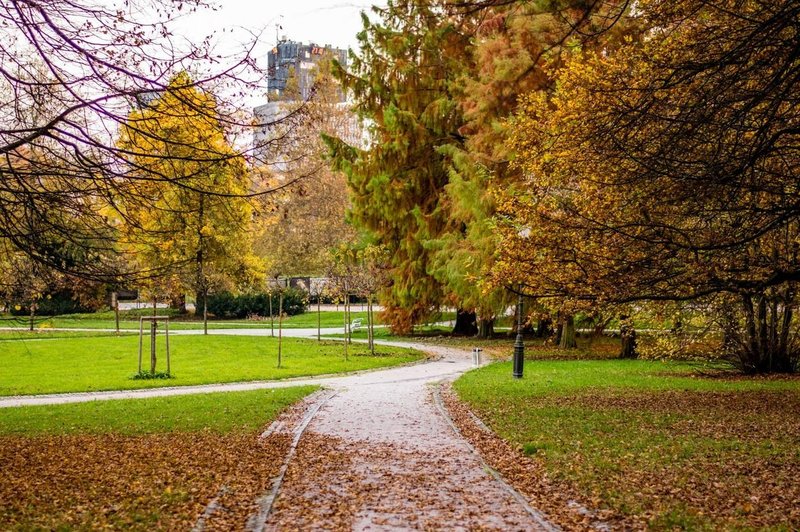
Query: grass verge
point(130, 321)
point(651, 442)
point(215, 412)
point(144, 464)
point(109, 363)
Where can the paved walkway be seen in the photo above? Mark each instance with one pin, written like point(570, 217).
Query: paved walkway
point(380, 455)
point(377, 455)
point(83, 397)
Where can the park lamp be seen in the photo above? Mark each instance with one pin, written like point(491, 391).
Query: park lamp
point(519, 345)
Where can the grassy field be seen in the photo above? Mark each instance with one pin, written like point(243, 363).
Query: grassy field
point(216, 412)
point(129, 320)
point(653, 442)
point(144, 464)
point(109, 363)
point(41, 334)
point(105, 320)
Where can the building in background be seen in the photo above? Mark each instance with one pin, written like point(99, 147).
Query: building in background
point(286, 59)
point(288, 56)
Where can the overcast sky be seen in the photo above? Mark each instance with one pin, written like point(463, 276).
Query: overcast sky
point(333, 22)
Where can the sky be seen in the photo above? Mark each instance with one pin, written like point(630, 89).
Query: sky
point(234, 23)
point(333, 22)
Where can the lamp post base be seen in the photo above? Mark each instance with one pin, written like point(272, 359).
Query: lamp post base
point(519, 345)
point(519, 356)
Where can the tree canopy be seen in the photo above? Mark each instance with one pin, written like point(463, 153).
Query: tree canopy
point(188, 225)
point(71, 71)
point(667, 170)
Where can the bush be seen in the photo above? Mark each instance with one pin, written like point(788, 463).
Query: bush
point(130, 314)
point(683, 346)
point(55, 304)
point(228, 306)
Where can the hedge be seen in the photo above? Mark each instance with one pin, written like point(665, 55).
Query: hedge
point(228, 306)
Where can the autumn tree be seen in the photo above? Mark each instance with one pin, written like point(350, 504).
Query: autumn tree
point(436, 79)
point(399, 84)
point(189, 224)
point(304, 219)
point(518, 49)
point(671, 163)
point(22, 281)
point(80, 65)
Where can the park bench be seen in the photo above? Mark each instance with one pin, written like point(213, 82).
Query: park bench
point(356, 325)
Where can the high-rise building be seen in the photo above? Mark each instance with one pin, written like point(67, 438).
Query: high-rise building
point(302, 58)
point(286, 59)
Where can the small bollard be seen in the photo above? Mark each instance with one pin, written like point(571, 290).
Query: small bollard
point(476, 356)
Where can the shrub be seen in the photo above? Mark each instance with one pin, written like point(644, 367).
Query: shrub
point(228, 306)
point(686, 346)
point(55, 304)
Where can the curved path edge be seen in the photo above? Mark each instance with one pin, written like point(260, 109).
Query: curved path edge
point(537, 516)
point(12, 401)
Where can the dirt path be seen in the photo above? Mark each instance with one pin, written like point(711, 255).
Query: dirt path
point(380, 455)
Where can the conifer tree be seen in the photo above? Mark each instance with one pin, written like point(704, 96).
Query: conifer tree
point(400, 85)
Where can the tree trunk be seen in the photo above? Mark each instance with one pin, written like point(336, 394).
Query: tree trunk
point(465, 323)
point(629, 345)
point(627, 333)
point(280, 325)
point(33, 315)
point(178, 302)
point(271, 317)
point(319, 319)
point(486, 328)
point(153, 331)
point(600, 327)
point(783, 345)
point(115, 298)
point(559, 332)
point(370, 326)
point(764, 347)
point(202, 283)
point(205, 311)
point(544, 328)
point(346, 329)
point(348, 313)
point(567, 340)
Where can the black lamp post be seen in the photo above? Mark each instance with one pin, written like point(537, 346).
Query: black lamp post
point(519, 346)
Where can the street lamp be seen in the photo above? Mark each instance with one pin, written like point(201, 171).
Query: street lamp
point(519, 346)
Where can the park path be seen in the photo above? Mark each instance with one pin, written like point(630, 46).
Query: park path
point(323, 380)
point(379, 453)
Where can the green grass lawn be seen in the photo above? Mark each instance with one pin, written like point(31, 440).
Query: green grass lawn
point(48, 334)
point(108, 363)
point(129, 320)
point(217, 412)
point(105, 320)
point(139, 464)
point(654, 440)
